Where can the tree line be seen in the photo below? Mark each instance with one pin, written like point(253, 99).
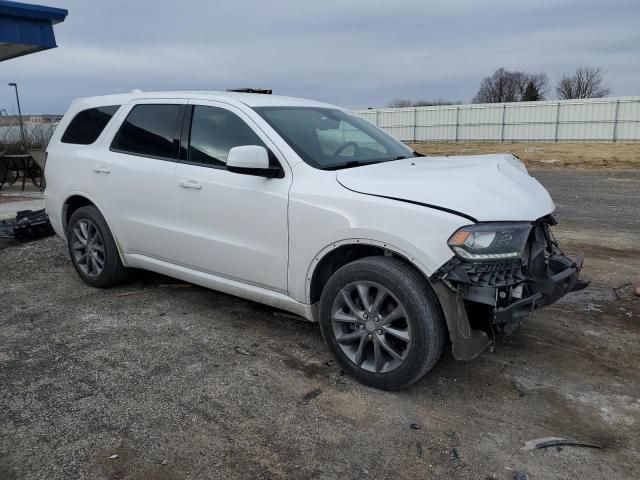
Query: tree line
point(515, 86)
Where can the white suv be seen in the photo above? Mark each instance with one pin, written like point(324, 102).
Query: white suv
point(309, 208)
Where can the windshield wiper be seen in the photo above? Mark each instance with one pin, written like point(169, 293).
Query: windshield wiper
point(361, 163)
point(350, 164)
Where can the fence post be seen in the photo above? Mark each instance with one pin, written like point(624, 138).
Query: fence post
point(555, 135)
point(457, 121)
point(415, 124)
point(377, 115)
point(504, 109)
point(615, 122)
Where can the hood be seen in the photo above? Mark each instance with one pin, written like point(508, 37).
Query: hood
point(480, 187)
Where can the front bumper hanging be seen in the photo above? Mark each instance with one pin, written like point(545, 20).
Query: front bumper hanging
point(480, 299)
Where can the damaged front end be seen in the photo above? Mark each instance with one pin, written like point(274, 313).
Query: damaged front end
point(502, 272)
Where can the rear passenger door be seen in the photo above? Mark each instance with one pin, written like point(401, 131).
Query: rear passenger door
point(229, 224)
point(135, 179)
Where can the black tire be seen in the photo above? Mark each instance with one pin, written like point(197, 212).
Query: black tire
point(113, 272)
point(423, 319)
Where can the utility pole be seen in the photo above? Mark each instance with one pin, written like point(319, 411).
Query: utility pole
point(14, 85)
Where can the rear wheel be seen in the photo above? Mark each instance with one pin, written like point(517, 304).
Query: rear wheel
point(93, 250)
point(382, 322)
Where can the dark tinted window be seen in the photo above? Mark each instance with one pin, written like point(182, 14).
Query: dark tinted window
point(87, 125)
point(215, 131)
point(149, 130)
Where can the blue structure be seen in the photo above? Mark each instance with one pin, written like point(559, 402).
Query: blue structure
point(27, 28)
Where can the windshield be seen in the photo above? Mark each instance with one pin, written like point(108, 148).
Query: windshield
point(331, 139)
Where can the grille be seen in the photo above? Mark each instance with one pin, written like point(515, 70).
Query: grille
point(499, 274)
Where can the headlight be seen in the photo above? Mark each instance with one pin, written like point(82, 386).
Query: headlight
point(490, 241)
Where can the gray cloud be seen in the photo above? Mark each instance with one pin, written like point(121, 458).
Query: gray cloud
point(358, 53)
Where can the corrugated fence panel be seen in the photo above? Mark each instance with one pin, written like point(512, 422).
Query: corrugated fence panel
point(436, 124)
point(369, 115)
point(531, 113)
point(435, 133)
point(601, 120)
point(471, 114)
point(577, 131)
point(399, 122)
point(531, 132)
point(628, 132)
point(629, 111)
point(478, 132)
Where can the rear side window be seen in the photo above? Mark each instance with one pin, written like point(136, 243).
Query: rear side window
point(149, 129)
point(87, 125)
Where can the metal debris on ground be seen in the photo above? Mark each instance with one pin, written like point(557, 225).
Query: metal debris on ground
point(135, 292)
point(114, 456)
point(28, 225)
point(415, 426)
point(243, 351)
point(547, 442)
point(310, 396)
point(621, 287)
point(520, 476)
point(455, 455)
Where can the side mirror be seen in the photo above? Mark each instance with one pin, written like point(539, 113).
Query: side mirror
point(251, 160)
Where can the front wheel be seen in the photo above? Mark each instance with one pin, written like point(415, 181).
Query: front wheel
point(382, 322)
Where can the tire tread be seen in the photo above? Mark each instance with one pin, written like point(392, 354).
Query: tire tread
point(423, 300)
point(114, 272)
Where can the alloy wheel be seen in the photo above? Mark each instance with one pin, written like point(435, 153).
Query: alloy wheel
point(88, 248)
point(371, 326)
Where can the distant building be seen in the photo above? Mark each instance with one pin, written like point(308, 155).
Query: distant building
point(10, 120)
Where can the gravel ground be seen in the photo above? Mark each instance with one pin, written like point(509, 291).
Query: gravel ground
point(184, 382)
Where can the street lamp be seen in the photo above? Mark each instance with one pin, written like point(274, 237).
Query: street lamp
point(14, 85)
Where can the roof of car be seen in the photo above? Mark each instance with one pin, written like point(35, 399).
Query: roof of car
point(250, 99)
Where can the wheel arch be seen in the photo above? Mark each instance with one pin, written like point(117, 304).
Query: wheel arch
point(338, 254)
point(77, 200)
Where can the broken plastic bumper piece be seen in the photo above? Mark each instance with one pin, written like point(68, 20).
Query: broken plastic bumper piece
point(483, 298)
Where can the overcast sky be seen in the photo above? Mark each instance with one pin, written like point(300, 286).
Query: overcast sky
point(356, 53)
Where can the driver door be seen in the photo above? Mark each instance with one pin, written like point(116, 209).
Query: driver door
point(229, 224)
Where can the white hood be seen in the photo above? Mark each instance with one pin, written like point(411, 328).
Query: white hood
point(485, 187)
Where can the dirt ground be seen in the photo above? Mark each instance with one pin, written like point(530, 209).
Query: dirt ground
point(548, 155)
point(183, 382)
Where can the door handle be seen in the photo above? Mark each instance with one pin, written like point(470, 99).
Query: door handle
point(190, 184)
point(101, 169)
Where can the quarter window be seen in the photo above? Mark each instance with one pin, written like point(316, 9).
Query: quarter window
point(215, 131)
point(149, 129)
point(87, 125)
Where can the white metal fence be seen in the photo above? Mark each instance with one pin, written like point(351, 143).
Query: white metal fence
point(594, 120)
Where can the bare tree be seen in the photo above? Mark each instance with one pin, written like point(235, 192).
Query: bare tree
point(585, 82)
point(400, 103)
point(506, 86)
point(502, 86)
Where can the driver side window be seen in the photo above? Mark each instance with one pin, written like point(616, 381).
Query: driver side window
point(215, 131)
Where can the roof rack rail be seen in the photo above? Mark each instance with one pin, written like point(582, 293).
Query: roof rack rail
point(266, 91)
